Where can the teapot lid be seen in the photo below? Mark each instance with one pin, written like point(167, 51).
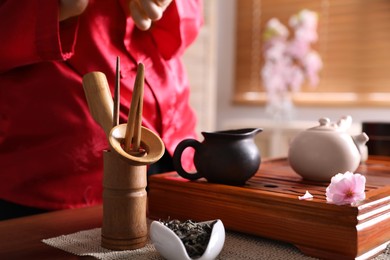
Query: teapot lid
point(341, 125)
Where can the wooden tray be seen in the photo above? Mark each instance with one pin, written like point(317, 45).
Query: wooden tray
point(268, 206)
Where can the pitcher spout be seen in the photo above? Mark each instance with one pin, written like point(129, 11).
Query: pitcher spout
point(251, 132)
point(257, 130)
point(241, 133)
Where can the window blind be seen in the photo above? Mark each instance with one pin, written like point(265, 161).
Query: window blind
point(354, 44)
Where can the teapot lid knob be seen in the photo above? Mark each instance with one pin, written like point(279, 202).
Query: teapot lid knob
point(325, 125)
point(324, 121)
point(340, 126)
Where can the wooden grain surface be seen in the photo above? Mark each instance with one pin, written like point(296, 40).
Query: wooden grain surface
point(268, 206)
point(21, 238)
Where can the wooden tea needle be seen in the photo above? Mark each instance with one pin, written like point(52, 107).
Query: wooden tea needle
point(116, 94)
point(133, 130)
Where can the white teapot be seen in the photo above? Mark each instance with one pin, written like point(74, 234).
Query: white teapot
point(321, 152)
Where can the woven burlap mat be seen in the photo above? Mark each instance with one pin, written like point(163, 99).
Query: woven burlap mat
point(237, 246)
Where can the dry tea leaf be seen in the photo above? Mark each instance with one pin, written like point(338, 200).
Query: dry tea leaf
point(195, 236)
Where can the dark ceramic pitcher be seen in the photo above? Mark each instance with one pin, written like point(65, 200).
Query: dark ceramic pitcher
point(227, 157)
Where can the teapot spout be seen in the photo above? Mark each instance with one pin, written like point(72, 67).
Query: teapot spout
point(360, 142)
point(360, 139)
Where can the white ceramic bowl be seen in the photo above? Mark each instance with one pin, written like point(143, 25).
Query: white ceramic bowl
point(169, 245)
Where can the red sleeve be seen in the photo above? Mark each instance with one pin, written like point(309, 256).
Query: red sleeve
point(31, 33)
point(191, 19)
point(178, 27)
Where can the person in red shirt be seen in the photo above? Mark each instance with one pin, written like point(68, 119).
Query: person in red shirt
point(50, 147)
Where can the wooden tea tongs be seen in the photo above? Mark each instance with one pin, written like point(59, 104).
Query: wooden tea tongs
point(132, 142)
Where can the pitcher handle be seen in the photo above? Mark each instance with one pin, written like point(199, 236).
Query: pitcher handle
point(177, 158)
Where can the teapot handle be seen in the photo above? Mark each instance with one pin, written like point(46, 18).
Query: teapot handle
point(177, 158)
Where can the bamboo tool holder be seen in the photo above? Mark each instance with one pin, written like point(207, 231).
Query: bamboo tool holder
point(124, 178)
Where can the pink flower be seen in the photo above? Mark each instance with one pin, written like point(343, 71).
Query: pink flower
point(305, 25)
point(313, 63)
point(289, 61)
point(275, 29)
point(347, 188)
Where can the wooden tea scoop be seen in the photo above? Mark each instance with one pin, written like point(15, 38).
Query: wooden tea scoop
point(133, 131)
point(99, 99)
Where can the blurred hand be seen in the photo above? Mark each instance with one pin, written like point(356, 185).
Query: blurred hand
point(144, 12)
point(70, 8)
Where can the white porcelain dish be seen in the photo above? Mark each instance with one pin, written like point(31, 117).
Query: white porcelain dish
point(169, 245)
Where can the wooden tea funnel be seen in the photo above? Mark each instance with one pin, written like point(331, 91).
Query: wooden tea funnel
point(151, 148)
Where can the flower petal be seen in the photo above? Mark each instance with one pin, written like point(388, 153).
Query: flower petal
point(306, 196)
